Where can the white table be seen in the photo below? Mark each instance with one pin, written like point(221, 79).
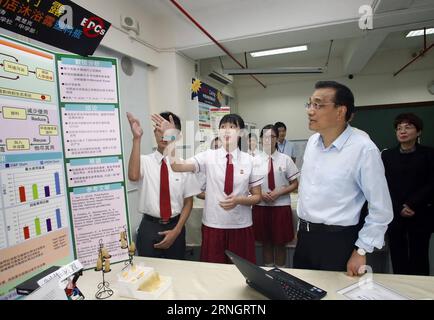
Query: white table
point(211, 281)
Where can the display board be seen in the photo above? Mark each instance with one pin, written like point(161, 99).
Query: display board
point(64, 24)
point(61, 168)
point(211, 108)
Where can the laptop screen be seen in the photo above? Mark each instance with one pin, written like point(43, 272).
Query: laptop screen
point(257, 277)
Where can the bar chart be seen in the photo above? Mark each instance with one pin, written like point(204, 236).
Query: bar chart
point(32, 183)
point(30, 221)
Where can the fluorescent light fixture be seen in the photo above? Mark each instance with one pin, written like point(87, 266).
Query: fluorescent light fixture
point(278, 51)
point(416, 33)
point(282, 70)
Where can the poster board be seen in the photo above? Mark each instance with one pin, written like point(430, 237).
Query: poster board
point(61, 178)
point(211, 108)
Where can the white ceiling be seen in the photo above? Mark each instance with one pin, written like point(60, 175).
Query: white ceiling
point(250, 25)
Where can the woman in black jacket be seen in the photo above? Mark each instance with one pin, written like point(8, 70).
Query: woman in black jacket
point(410, 176)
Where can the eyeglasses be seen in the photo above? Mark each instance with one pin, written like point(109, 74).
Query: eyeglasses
point(316, 105)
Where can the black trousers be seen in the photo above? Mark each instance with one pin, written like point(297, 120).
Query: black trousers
point(148, 235)
point(409, 250)
point(325, 250)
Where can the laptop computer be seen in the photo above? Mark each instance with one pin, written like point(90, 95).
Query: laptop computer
point(275, 284)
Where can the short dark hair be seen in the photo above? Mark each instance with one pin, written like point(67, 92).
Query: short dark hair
point(273, 128)
point(176, 119)
point(233, 118)
point(278, 125)
point(410, 118)
point(269, 127)
point(343, 95)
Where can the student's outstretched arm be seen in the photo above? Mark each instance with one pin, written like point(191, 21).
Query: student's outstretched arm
point(168, 130)
point(134, 163)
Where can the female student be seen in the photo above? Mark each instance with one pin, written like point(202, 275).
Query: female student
point(232, 187)
point(253, 145)
point(272, 217)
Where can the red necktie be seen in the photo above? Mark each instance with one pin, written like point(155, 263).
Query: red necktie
point(271, 184)
point(165, 208)
point(229, 178)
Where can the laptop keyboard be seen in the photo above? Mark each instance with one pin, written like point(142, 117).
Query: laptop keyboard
point(295, 288)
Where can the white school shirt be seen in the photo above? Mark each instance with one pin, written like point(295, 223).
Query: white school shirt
point(285, 171)
point(213, 164)
point(181, 185)
point(336, 181)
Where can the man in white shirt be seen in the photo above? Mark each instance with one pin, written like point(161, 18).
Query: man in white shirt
point(341, 170)
point(283, 145)
point(165, 197)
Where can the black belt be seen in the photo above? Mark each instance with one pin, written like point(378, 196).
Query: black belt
point(159, 220)
point(304, 225)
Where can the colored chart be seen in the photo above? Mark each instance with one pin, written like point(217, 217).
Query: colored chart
point(34, 182)
point(35, 219)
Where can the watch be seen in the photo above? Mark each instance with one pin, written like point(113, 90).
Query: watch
point(361, 251)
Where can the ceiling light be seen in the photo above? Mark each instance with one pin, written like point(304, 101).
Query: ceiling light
point(416, 33)
point(281, 70)
point(278, 51)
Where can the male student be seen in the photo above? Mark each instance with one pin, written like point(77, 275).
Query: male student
point(341, 170)
point(283, 145)
point(165, 198)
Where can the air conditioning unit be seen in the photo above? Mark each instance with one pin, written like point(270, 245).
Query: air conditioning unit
point(221, 77)
point(213, 70)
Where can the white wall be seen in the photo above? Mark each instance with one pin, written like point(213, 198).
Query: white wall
point(285, 101)
point(117, 40)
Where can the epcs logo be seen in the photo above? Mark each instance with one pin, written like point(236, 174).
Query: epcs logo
point(93, 27)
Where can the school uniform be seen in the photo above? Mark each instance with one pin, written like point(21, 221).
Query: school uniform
point(227, 229)
point(158, 184)
point(272, 222)
point(254, 153)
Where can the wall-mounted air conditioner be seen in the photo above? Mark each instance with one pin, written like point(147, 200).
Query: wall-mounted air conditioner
point(221, 77)
point(212, 69)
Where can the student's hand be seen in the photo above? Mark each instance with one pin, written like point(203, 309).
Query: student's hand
point(356, 265)
point(229, 203)
point(136, 129)
point(274, 195)
point(407, 212)
point(162, 125)
point(169, 238)
point(266, 197)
